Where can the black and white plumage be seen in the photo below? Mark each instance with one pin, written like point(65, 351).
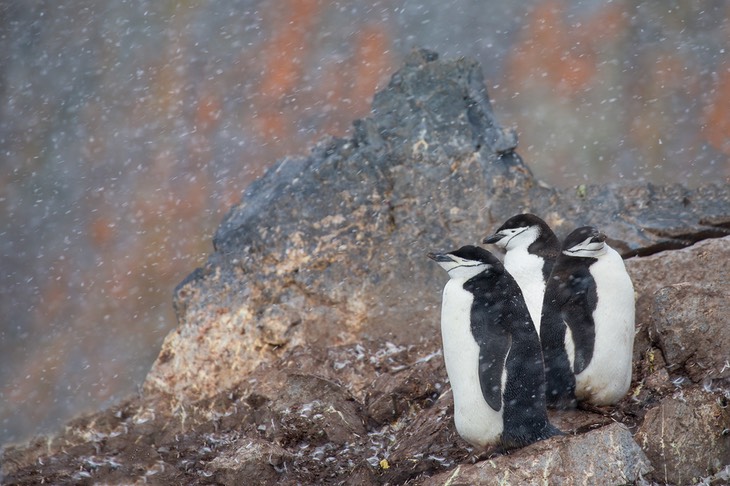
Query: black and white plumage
point(492, 353)
point(587, 330)
point(531, 249)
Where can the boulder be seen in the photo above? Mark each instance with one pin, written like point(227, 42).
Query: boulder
point(681, 309)
point(689, 324)
point(687, 436)
point(608, 455)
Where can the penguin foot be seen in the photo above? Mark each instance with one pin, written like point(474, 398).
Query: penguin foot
point(551, 431)
point(516, 442)
point(479, 455)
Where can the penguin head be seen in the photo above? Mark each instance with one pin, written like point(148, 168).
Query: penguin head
point(518, 231)
point(585, 242)
point(467, 261)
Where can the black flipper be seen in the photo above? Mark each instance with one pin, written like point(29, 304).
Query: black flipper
point(559, 377)
point(493, 341)
point(491, 367)
point(578, 316)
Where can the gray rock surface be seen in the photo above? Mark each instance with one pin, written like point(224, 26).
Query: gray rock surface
point(608, 455)
point(688, 324)
point(308, 347)
point(680, 305)
point(687, 436)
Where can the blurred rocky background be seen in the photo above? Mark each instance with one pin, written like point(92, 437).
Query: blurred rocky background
point(128, 128)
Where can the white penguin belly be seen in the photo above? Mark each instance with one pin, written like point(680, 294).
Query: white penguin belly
point(475, 420)
point(569, 346)
point(607, 377)
point(526, 269)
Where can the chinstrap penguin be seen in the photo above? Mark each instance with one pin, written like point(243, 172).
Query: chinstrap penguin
point(531, 249)
point(587, 330)
point(492, 353)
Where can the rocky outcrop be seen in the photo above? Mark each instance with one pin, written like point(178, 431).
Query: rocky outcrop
point(683, 355)
point(308, 350)
point(329, 249)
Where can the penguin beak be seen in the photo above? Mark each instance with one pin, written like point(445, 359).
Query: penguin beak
point(439, 257)
point(599, 238)
point(493, 239)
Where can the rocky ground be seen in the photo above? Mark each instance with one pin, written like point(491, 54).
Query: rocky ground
point(308, 352)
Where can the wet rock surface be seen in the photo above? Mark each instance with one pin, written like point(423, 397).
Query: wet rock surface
point(608, 455)
point(308, 347)
point(687, 327)
point(687, 435)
